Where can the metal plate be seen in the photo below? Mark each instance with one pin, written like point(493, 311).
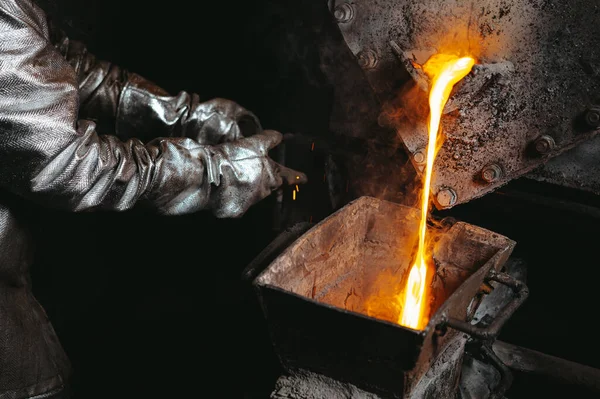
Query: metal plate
point(538, 75)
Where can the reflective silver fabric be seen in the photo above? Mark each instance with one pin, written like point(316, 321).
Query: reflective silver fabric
point(55, 100)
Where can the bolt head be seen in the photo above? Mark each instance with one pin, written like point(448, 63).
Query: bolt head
point(446, 197)
point(592, 118)
point(491, 173)
point(419, 157)
point(367, 59)
point(544, 144)
point(343, 13)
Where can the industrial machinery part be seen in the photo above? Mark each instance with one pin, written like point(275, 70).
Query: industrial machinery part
point(532, 96)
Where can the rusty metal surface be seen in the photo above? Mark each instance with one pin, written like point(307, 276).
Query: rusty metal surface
point(526, 101)
point(314, 294)
point(443, 377)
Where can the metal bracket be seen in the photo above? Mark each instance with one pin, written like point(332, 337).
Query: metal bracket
point(482, 337)
point(491, 331)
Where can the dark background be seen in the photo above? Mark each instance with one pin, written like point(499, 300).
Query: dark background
point(152, 306)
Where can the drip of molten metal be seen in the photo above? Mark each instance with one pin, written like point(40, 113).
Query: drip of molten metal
point(444, 71)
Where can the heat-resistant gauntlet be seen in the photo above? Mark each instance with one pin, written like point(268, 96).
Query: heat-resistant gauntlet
point(236, 176)
point(241, 173)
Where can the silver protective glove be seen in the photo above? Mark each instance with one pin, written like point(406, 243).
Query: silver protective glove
point(220, 121)
point(235, 176)
point(143, 107)
point(243, 174)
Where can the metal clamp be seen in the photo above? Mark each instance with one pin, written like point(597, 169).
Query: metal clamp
point(483, 337)
point(490, 332)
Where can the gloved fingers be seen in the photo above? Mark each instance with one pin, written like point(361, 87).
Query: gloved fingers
point(291, 176)
point(218, 129)
point(220, 121)
point(247, 122)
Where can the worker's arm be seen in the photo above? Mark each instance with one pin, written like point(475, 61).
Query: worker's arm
point(48, 156)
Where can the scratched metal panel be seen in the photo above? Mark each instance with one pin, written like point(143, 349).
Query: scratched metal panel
point(538, 75)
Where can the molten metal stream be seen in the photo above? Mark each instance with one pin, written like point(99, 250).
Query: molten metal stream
point(444, 71)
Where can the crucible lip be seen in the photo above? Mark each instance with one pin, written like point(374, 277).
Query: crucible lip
point(304, 294)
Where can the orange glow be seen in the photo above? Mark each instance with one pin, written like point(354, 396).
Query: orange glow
point(294, 195)
point(444, 71)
